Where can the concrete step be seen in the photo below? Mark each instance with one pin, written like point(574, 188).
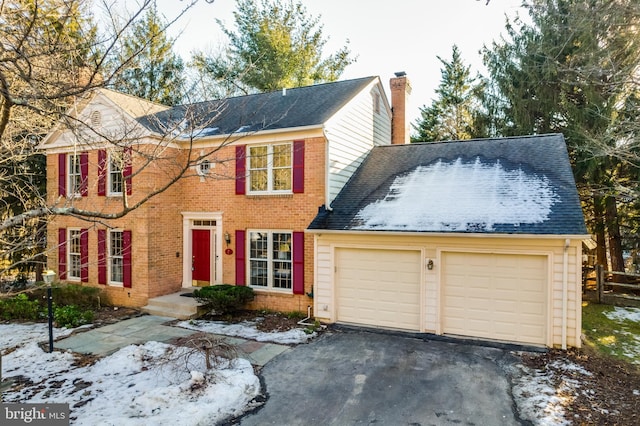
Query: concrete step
point(174, 306)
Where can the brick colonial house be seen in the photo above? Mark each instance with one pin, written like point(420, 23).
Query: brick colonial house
point(258, 168)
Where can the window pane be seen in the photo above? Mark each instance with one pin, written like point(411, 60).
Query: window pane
point(258, 180)
point(115, 173)
point(74, 241)
point(282, 246)
point(258, 246)
point(258, 157)
point(259, 273)
point(282, 155)
point(75, 176)
point(282, 274)
point(116, 243)
point(115, 256)
point(281, 179)
point(116, 269)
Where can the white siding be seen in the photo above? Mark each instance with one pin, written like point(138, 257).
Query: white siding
point(433, 248)
point(352, 133)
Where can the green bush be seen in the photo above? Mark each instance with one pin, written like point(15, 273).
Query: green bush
point(71, 316)
point(20, 307)
point(79, 295)
point(224, 298)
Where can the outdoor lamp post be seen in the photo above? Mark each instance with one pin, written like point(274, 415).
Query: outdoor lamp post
point(48, 277)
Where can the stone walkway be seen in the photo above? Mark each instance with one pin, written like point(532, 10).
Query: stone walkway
point(134, 331)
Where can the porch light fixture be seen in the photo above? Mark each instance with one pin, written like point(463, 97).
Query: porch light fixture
point(430, 264)
point(48, 277)
point(227, 238)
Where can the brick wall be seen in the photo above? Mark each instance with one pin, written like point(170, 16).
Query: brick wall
point(157, 240)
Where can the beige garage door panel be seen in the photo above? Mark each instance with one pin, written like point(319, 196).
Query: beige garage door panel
point(378, 287)
point(495, 296)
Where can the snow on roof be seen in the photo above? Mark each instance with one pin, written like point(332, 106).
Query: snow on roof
point(456, 196)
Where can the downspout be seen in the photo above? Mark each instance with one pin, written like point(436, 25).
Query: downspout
point(565, 285)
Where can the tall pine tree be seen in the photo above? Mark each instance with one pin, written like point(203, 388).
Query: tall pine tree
point(572, 69)
point(153, 70)
point(453, 114)
point(275, 44)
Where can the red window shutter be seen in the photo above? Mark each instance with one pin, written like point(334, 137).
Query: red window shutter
point(84, 255)
point(126, 258)
point(241, 265)
point(298, 167)
point(128, 170)
point(102, 172)
point(62, 253)
point(84, 174)
point(241, 179)
point(62, 175)
point(298, 263)
point(102, 256)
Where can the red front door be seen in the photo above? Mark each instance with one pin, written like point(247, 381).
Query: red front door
point(201, 252)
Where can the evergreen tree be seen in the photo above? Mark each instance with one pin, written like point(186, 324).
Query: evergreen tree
point(276, 44)
point(573, 70)
point(453, 115)
point(153, 71)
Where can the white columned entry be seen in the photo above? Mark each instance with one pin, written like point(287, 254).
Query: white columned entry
point(202, 220)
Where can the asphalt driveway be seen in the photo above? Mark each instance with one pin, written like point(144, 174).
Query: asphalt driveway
point(358, 377)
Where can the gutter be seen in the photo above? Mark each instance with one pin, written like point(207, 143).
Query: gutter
point(446, 234)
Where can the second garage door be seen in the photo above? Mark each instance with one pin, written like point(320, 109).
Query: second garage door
point(495, 296)
point(378, 287)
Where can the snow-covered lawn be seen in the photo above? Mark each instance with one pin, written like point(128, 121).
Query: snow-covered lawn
point(154, 383)
point(157, 383)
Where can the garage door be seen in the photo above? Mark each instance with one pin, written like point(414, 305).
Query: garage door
point(495, 296)
point(378, 288)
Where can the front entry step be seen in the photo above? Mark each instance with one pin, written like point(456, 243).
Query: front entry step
point(174, 306)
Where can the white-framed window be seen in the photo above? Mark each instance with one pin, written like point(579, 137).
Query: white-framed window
point(115, 181)
point(74, 175)
point(115, 264)
point(74, 256)
point(203, 167)
point(270, 260)
point(270, 168)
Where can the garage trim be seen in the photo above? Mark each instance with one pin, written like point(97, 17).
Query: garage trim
point(440, 251)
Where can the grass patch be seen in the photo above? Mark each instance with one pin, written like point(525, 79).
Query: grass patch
point(618, 338)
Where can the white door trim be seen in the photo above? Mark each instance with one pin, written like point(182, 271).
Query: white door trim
point(216, 231)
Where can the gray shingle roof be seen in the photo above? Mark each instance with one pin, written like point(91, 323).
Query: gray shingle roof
point(299, 107)
point(517, 185)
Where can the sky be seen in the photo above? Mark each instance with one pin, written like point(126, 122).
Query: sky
point(386, 36)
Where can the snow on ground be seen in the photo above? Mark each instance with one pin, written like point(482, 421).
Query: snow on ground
point(157, 383)
point(631, 351)
point(247, 330)
point(622, 314)
point(536, 397)
point(18, 334)
point(154, 383)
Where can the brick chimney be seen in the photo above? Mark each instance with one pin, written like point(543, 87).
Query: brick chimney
point(400, 91)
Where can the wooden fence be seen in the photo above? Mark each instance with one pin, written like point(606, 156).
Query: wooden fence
point(616, 284)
